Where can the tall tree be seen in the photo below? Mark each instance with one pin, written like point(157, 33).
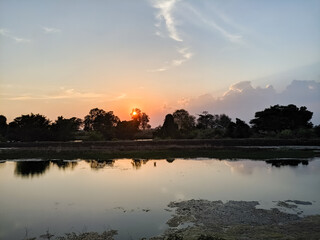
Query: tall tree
point(64, 129)
point(127, 129)
point(278, 118)
point(3, 126)
point(239, 129)
point(31, 127)
point(207, 121)
point(184, 120)
point(141, 117)
point(100, 121)
point(169, 128)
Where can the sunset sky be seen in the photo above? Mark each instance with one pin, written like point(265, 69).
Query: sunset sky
point(225, 56)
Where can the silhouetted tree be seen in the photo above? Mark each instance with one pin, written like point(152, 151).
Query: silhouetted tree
point(3, 126)
point(141, 117)
point(184, 120)
point(169, 128)
point(64, 129)
point(317, 130)
point(207, 121)
point(278, 118)
point(100, 121)
point(31, 127)
point(127, 129)
point(239, 129)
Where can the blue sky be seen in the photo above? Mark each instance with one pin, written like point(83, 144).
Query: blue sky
point(66, 57)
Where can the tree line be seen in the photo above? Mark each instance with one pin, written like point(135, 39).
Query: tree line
point(276, 121)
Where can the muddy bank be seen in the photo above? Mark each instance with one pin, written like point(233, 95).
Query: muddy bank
point(237, 220)
point(159, 144)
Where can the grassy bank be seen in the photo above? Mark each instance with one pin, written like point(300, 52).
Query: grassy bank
point(219, 153)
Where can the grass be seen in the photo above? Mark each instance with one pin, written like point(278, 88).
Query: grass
point(219, 153)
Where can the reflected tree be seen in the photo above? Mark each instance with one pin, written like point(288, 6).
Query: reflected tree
point(137, 163)
point(94, 164)
point(31, 168)
point(287, 162)
point(65, 164)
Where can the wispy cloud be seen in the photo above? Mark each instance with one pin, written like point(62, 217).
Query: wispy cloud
point(185, 55)
point(165, 15)
point(227, 35)
point(51, 30)
point(61, 94)
point(7, 34)
point(235, 38)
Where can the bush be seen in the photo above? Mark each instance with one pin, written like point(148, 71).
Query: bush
point(305, 133)
point(287, 133)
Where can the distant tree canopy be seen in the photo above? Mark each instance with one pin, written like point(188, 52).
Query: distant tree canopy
point(184, 120)
point(169, 128)
point(100, 121)
point(278, 118)
point(3, 126)
point(207, 120)
point(64, 129)
point(140, 117)
point(276, 121)
point(239, 129)
point(31, 127)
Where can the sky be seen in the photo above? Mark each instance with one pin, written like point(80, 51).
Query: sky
point(223, 56)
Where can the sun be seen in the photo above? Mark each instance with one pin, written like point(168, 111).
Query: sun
point(134, 113)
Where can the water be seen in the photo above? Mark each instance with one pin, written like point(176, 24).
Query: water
point(132, 196)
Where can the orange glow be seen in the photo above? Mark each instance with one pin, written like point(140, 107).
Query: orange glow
point(134, 113)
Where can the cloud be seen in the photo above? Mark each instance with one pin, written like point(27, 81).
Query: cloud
point(185, 54)
point(51, 30)
point(61, 94)
point(234, 38)
point(6, 33)
point(242, 100)
point(165, 15)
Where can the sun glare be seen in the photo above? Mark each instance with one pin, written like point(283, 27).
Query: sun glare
point(134, 113)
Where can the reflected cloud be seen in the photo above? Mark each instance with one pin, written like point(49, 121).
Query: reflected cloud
point(240, 167)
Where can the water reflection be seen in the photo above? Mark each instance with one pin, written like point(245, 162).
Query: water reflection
point(94, 164)
point(287, 162)
point(31, 168)
point(137, 163)
point(170, 160)
point(38, 168)
point(65, 164)
point(76, 194)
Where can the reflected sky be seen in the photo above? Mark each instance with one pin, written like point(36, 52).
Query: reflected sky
point(90, 195)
